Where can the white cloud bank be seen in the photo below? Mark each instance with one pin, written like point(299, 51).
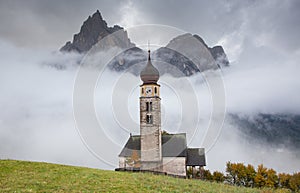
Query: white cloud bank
point(37, 123)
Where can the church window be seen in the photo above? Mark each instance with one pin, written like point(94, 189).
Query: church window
point(148, 106)
point(155, 90)
point(149, 119)
point(142, 90)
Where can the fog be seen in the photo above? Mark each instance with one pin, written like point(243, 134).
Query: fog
point(37, 120)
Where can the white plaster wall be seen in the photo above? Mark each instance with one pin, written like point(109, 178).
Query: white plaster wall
point(122, 162)
point(174, 165)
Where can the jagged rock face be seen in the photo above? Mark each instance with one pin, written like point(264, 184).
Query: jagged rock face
point(190, 54)
point(180, 65)
point(217, 53)
point(92, 31)
point(184, 55)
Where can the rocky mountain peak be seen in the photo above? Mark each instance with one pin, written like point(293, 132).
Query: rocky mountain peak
point(217, 52)
point(96, 20)
point(94, 29)
point(97, 14)
point(188, 53)
point(184, 38)
point(200, 40)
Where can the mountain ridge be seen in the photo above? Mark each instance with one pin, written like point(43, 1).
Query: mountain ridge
point(95, 29)
point(275, 129)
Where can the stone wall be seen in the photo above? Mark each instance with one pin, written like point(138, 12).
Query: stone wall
point(150, 132)
point(174, 165)
point(152, 166)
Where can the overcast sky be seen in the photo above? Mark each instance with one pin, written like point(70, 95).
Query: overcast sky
point(234, 24)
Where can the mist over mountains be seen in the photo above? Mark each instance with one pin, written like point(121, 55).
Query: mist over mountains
point(95, 29)
point(262, 120)
point(276, 129)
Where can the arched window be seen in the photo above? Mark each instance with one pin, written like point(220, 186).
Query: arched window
point(149, 119)
point(155, 90)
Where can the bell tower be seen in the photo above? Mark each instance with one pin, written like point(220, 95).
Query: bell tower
point(150, 118)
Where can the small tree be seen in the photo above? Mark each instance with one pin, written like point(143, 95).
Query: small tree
point(250, 175)
point(207, 175)
point(231, 176)
point(294, 182)
point(272, 178)
point(284, 180)
point(261, 176)
point(241, 172)
point(236, 174)
point(218, 176)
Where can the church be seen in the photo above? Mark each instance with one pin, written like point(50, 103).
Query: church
point(154, 150)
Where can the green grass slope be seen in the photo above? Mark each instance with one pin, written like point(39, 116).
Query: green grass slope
point(22, 176)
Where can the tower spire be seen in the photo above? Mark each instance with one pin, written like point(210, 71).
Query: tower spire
point(149, 74)
point(149, 58)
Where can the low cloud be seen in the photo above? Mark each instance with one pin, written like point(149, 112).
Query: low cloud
point(37, 123)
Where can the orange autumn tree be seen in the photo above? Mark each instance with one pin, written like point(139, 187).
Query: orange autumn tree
point(284, 180)
point(239, 174)
point(261, 176)
point(294, 182)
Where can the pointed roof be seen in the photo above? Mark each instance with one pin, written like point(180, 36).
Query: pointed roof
point(149, 74)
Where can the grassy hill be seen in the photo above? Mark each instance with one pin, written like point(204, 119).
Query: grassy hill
point(22, 176)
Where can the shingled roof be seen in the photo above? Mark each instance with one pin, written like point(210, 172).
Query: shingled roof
point(173, 145)
point(195, 157)
point(133, 143)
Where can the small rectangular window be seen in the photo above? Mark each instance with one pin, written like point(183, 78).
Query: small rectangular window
point(149, 119)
